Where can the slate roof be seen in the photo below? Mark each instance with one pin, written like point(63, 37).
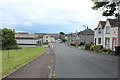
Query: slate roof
point(114, 22)
point(87, 32)
point(26, 36)
point(102, 24)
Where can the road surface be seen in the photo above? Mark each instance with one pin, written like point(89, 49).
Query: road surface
point(74, 63)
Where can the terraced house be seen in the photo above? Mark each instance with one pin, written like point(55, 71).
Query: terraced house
point(99, 33)
point(109, 36)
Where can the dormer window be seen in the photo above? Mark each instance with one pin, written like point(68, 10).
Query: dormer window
point(99, 30)
point(108, 29)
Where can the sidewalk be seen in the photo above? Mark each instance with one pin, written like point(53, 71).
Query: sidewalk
point(38, 68)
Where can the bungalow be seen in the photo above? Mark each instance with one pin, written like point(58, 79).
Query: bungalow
point(112, 33)
point(99, 33)
point(26, 39)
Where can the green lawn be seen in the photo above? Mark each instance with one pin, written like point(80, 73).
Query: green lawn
point(18, 57)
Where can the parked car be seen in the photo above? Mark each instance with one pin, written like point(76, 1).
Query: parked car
point(61, 42)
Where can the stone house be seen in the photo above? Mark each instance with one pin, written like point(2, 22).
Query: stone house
point(86, 35)
point(72, 38)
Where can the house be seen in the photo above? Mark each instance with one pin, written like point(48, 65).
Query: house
point(72, 38)
point(48, 38)
point(107, 33)
point(87, 35)
point(112, 33)
point(24, 39)
point(99, 33)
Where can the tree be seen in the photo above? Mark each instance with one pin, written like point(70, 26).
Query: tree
point(64, 40)
point(109, 8)
point(62, 33)
point(8, 39)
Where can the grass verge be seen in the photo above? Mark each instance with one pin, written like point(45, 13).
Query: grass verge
point(14, 58)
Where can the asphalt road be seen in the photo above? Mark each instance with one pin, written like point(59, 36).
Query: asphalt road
point(74, 63)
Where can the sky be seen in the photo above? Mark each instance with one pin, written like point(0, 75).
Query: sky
point(48, 16)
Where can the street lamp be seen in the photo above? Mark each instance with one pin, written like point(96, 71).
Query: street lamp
point(84, 26)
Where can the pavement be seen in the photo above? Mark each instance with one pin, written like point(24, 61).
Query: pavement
point(37, 68)
point(74, 63)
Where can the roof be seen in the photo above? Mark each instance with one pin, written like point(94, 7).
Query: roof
point(22, 33)
point(117, 23)
point(114, 22)
point(95, 29)
point(103, 24)
point(25, 36)
point(87, 32)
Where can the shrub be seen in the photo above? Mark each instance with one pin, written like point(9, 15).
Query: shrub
point(82, 43)
point(64, 40)
point(91, 47)
point(45, 43)
point(11, 47)
point(96, 48)
point(87, 46)
point(73, 44)
point(105, 51)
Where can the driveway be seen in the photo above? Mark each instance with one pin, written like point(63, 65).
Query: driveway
point(74, 63)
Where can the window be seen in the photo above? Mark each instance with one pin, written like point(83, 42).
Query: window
point(107, 41)
point(108, 29)
point(95, 41)
point(99, 40)
point(99, 30)
point(46, 36)
point(46, 40)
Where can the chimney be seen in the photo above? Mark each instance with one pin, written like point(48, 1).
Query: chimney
point(87, 27)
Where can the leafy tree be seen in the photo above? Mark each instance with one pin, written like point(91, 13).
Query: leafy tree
point(109, 8)
point(64, 40)
point(62, 33)
point(8, 39)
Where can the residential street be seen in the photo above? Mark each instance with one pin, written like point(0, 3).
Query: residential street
point(74, 63)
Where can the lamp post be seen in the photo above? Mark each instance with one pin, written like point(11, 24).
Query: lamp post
point(84, 26)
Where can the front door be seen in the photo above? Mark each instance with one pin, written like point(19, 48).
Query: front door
point(114, 43)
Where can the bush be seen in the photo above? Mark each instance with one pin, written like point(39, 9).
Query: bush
point(64, 40)
point(91, 47)
point(73, 44)
point(45, 43)
point(87, 46)
point(105, 51)
point(11, 47)
point(82, 43)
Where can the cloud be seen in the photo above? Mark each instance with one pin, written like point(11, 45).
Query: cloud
point(64, 15)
